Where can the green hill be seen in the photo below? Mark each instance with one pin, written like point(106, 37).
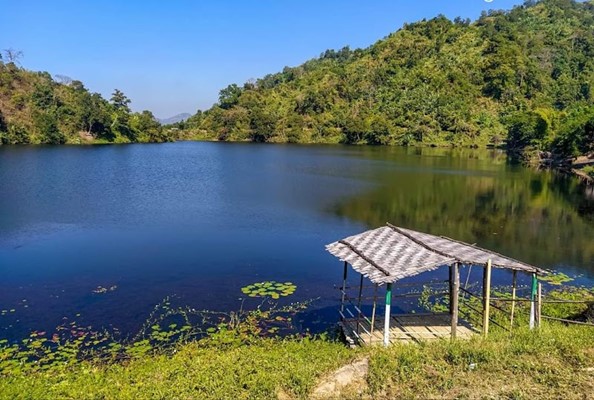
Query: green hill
point(523, 77)
point(34, 108)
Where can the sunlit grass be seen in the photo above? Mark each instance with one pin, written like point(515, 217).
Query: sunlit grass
point(237, 358)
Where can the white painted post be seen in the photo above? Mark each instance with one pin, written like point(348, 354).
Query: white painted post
point(532, 301)
point(387, 316)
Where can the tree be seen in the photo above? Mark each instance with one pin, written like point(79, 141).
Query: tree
point(229, 96)
point(120, 125)
point(47, 128)
point(576, 135)
point(12, 55)
point(262, 125)
point(120, 102)
point(526, 128)
point(3, 126)
point(90, 112)
point(42, 96)
point(147, 127)
point(64, 80)
point(15, 134)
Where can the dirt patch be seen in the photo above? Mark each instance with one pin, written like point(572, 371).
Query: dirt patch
point(85, 136)
point(350, 378)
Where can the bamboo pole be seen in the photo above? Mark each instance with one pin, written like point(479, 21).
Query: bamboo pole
point(486, 296)
point(569, 321)
point(513, 304)
point(373, 312)
point(454, 296)
point(359, 303)
point(468, 276)
point(528, 300)
point(538, 305)
point(532, 301)
point(451, 287)
point(344, 278)
point(387, 316)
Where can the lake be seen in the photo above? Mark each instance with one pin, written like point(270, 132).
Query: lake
point(198, 221)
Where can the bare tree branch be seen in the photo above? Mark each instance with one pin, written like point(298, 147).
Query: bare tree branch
point(63, 79)
point(13, 55)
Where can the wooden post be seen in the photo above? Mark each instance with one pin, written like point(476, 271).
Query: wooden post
point(344, 278)
point(486, 296)
point(513, 303)
point(373, 313)
point(359, 304)
point(451, 289)
point(454, 296)
point(468, 276)
point(532, 301)
point(387, 316)
point(538, 305)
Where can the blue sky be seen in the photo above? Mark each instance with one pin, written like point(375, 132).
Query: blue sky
point(174, 56)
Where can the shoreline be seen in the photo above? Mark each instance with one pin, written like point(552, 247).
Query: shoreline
point(542, 160)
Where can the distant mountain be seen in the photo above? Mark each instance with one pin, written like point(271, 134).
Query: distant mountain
point(175, 118)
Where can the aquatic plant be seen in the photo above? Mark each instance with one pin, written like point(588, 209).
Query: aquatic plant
point(556, 278)
point(100, 289)
point(165, 328)
point(271, 289)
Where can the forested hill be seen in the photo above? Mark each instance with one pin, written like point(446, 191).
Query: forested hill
point(35, 108)
point(523, 77)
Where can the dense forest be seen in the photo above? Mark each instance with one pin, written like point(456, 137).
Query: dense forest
point(522, 78)
point(35, 108)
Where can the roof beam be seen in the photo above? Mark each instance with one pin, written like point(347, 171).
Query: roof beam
point(363, 256)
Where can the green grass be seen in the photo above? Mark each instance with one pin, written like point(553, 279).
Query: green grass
point(552, 362)
point(193, 371)
point(549, 363)
point(589, 170)
point(234, 361)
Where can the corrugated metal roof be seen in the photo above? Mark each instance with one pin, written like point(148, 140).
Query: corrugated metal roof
point(390, 253)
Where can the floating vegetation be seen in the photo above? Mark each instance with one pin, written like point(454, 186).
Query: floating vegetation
point(556, 278)
point(271, 289)
point(42, 350)
point(100, 289)
point(165, 326)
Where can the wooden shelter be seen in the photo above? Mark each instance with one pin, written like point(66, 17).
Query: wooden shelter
point(388, 254)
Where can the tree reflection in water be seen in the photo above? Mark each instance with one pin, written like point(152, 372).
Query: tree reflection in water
point(479, 197)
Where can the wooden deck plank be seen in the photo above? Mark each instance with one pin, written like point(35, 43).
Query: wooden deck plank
point(407, 328)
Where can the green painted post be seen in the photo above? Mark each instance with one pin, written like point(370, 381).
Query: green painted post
point(532, 300)
point(387, 316)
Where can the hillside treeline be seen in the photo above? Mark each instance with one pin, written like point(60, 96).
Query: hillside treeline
point(522, 78)
point(35, 108)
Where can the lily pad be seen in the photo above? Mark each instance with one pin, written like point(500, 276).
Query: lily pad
point(272, 289)
point(557, 278)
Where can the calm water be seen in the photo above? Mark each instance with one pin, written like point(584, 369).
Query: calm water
point(198, 221)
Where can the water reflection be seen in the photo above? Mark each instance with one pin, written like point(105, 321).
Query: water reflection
point(478, 197)
point(199, 221)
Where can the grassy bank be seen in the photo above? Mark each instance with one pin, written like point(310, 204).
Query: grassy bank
point(551, 363)
point(555, 362)
point(182, 353)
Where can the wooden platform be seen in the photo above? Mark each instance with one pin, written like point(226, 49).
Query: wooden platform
point(405, 328)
